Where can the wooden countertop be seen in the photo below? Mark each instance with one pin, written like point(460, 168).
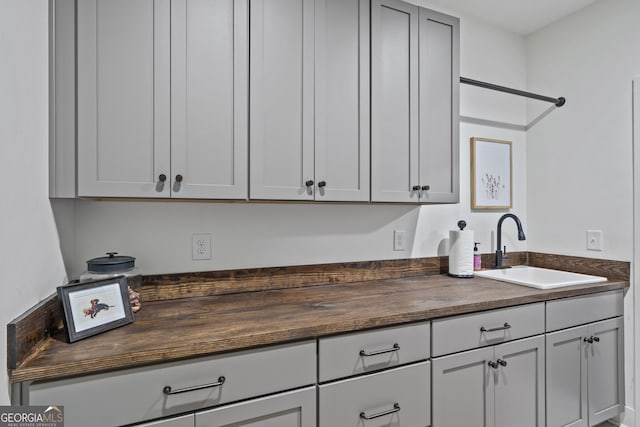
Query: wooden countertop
point(176, 329)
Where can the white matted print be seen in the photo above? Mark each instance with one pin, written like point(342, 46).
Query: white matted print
point(491, 174)
point(97, 306)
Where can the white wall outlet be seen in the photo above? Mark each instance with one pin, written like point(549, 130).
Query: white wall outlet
point(594, 240)
point(399, 240)
point(200, 246)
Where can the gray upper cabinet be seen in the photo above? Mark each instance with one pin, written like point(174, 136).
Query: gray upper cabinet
point(414, 104)
point(309, 101)
point(162, 98)
point(123, 97)
point(281, 99)
point(342, 100)
point(439, 107)
point(209, 98)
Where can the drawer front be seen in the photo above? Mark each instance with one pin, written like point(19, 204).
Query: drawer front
point(398, 397)
point(569, 312)
point(291, 409)
point(459, 333)
point(356, 353)
point(139, 393)
point(183, 421)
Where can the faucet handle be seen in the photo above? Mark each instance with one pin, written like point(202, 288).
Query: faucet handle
point(504, 253)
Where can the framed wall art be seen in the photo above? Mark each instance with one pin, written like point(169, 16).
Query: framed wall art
point(95, 306)
point(491, 174)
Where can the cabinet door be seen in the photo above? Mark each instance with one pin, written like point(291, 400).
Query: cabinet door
point(397, 397)
point(292, 409)
point(520, 383)
point(394, 101)
point(463, 389)
point(209, 98)
point(281, 99)
point(184, 421)
point(439, 110)
point(123, 98)
point(606, 370)
point(567, 378)
point(342, 100)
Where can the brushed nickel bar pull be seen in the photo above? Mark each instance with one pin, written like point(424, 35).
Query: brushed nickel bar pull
point(499, 328)
point(395, 347)
point(396, 408)
point(168, 391)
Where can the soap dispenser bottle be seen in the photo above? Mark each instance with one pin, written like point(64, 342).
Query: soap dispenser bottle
point(477, 258)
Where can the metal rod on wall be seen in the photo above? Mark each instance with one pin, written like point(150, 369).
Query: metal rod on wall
point(559, 102)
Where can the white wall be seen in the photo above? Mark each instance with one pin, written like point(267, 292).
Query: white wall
point(255, 235)
point(580, 163)
point(580, 156)
point(31, 262)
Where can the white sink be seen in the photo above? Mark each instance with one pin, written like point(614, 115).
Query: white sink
point(541, 278)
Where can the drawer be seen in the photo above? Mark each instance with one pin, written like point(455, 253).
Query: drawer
point(183, 421)
point(290, 409)
point(568, 312)
point(398, 397)
point(139, 395)
point(351, 354)
point(468, 331)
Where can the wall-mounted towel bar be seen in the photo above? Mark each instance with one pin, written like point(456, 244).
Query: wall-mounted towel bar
point(559, 102)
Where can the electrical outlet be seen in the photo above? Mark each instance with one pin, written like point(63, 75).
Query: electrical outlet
point(594, 240)
point(200, 246)
point(399, 240)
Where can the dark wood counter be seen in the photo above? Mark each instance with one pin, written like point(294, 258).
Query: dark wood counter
point(176, 329)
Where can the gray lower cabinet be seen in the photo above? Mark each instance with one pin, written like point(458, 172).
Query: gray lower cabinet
point(174, 388)
point(398, 397)
point(414, 104)
point(585, 379)
point(500, 386)
point(292, 409)
point(309, 100)
point(183, 421)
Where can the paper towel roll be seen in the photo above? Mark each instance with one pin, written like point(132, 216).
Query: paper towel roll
point(461, 253)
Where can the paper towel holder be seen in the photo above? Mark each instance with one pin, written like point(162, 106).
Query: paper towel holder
point(461, 258)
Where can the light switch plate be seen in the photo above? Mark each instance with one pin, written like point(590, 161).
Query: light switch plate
point(399, 240)
point(594, 240)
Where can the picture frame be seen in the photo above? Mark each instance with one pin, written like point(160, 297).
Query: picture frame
point(95, 306)
point(491, 174)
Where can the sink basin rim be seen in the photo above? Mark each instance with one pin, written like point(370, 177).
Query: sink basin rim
point(540, 278)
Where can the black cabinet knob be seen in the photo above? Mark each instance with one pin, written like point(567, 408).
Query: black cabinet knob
point(322, 184)
point(179, 178)
point(502, 362)
point(162, 177)
point(416, 188)
point(309, 183)
point(426, 187)
point(596, 339)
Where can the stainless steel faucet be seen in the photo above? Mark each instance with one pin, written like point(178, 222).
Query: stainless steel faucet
point(500, 255)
